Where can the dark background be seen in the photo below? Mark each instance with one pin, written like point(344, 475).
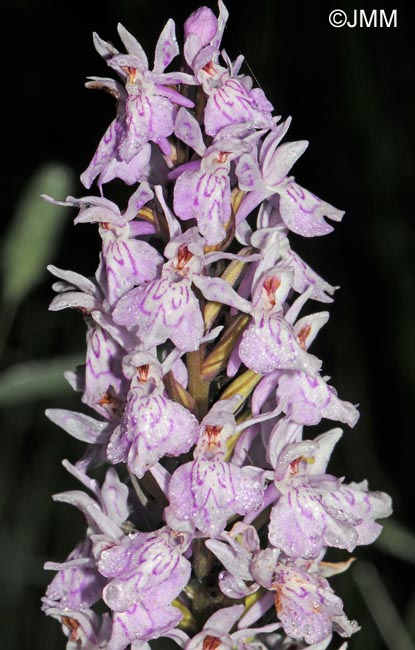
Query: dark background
point(350, 92)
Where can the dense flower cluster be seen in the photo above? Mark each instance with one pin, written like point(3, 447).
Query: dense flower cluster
point(211, 524)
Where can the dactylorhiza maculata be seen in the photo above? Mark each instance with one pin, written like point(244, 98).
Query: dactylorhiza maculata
point(214, 510)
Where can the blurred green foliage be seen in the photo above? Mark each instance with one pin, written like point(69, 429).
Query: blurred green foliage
point(34, 234)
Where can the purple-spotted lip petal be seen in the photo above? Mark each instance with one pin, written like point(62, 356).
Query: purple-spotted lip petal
point(152, 426)
point(205, 493)
point(307, 399)
point(161, 310)
point(271, 344)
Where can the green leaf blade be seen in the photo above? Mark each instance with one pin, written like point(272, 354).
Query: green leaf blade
point(35, 232)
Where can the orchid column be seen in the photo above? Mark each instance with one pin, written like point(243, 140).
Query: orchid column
point(208, 508)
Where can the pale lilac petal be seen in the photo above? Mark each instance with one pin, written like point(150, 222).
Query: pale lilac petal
point(179, 514)
point(96, 518)
point(202, 23)
point(232, 103)
point(305, 604)
point(148, 117)
point(164, 580)
point(212, 491)
point(162, 477)
point(188, 130)
point(134, 171)
point(105, 152)
point(180, 372)
point(306, 400)
point(81, 475)
point(317, 510)
point(300, 526)
point(243, 444)
point(147, 568)
point(248, 173)
point(224, 619)
point(139, 624)
point(82, 562)
point(76, 587)
point(271, 289)
point(80, 426)
point(243, 234)
point(118, 447)
point(193, 241)
point(114, 496)
point(233, 587)
point(221, 255)
point(236, 559)
point(163, 310)
point(96, 210)
point(127, 310)
point(246, 635)
point(85, 629)
point(139, 228)
point(128, 262)
point(61, 286)
point(107, 162)
point(172, 223)
point(178, 636)
point(209, 636)
point(125, 339)
point(206, 197)
point(132, 46)
point(326, 443)
point(263, 566)
point(105, 49)
point(164, 145)
point(216, 429)
point(167, 79)
point(323, 645)
point(75, 280)
point(291, 468)
point(307, 328)
point(304, 213)
point(102, 370)
point(257, 610)
point(271, 142)
point(234, 362)
point(116, 559)
point(285, 156)
point(74, 300)
point(283, 434)
point(76, 378)
point(304, 277)
point(270, 344)
point(199, 30)
point(269, 219)
point(156, 426)
point(249, 203)
point(167, 47)
point(218, 290)
point(222, 20)
point(264, 389)
point(112, 86)
point(354, 500)
point(345, 628)
point(191, 48)
point(137, 200)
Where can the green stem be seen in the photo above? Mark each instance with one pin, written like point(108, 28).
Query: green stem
point(198, 387)
point(206, 597)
